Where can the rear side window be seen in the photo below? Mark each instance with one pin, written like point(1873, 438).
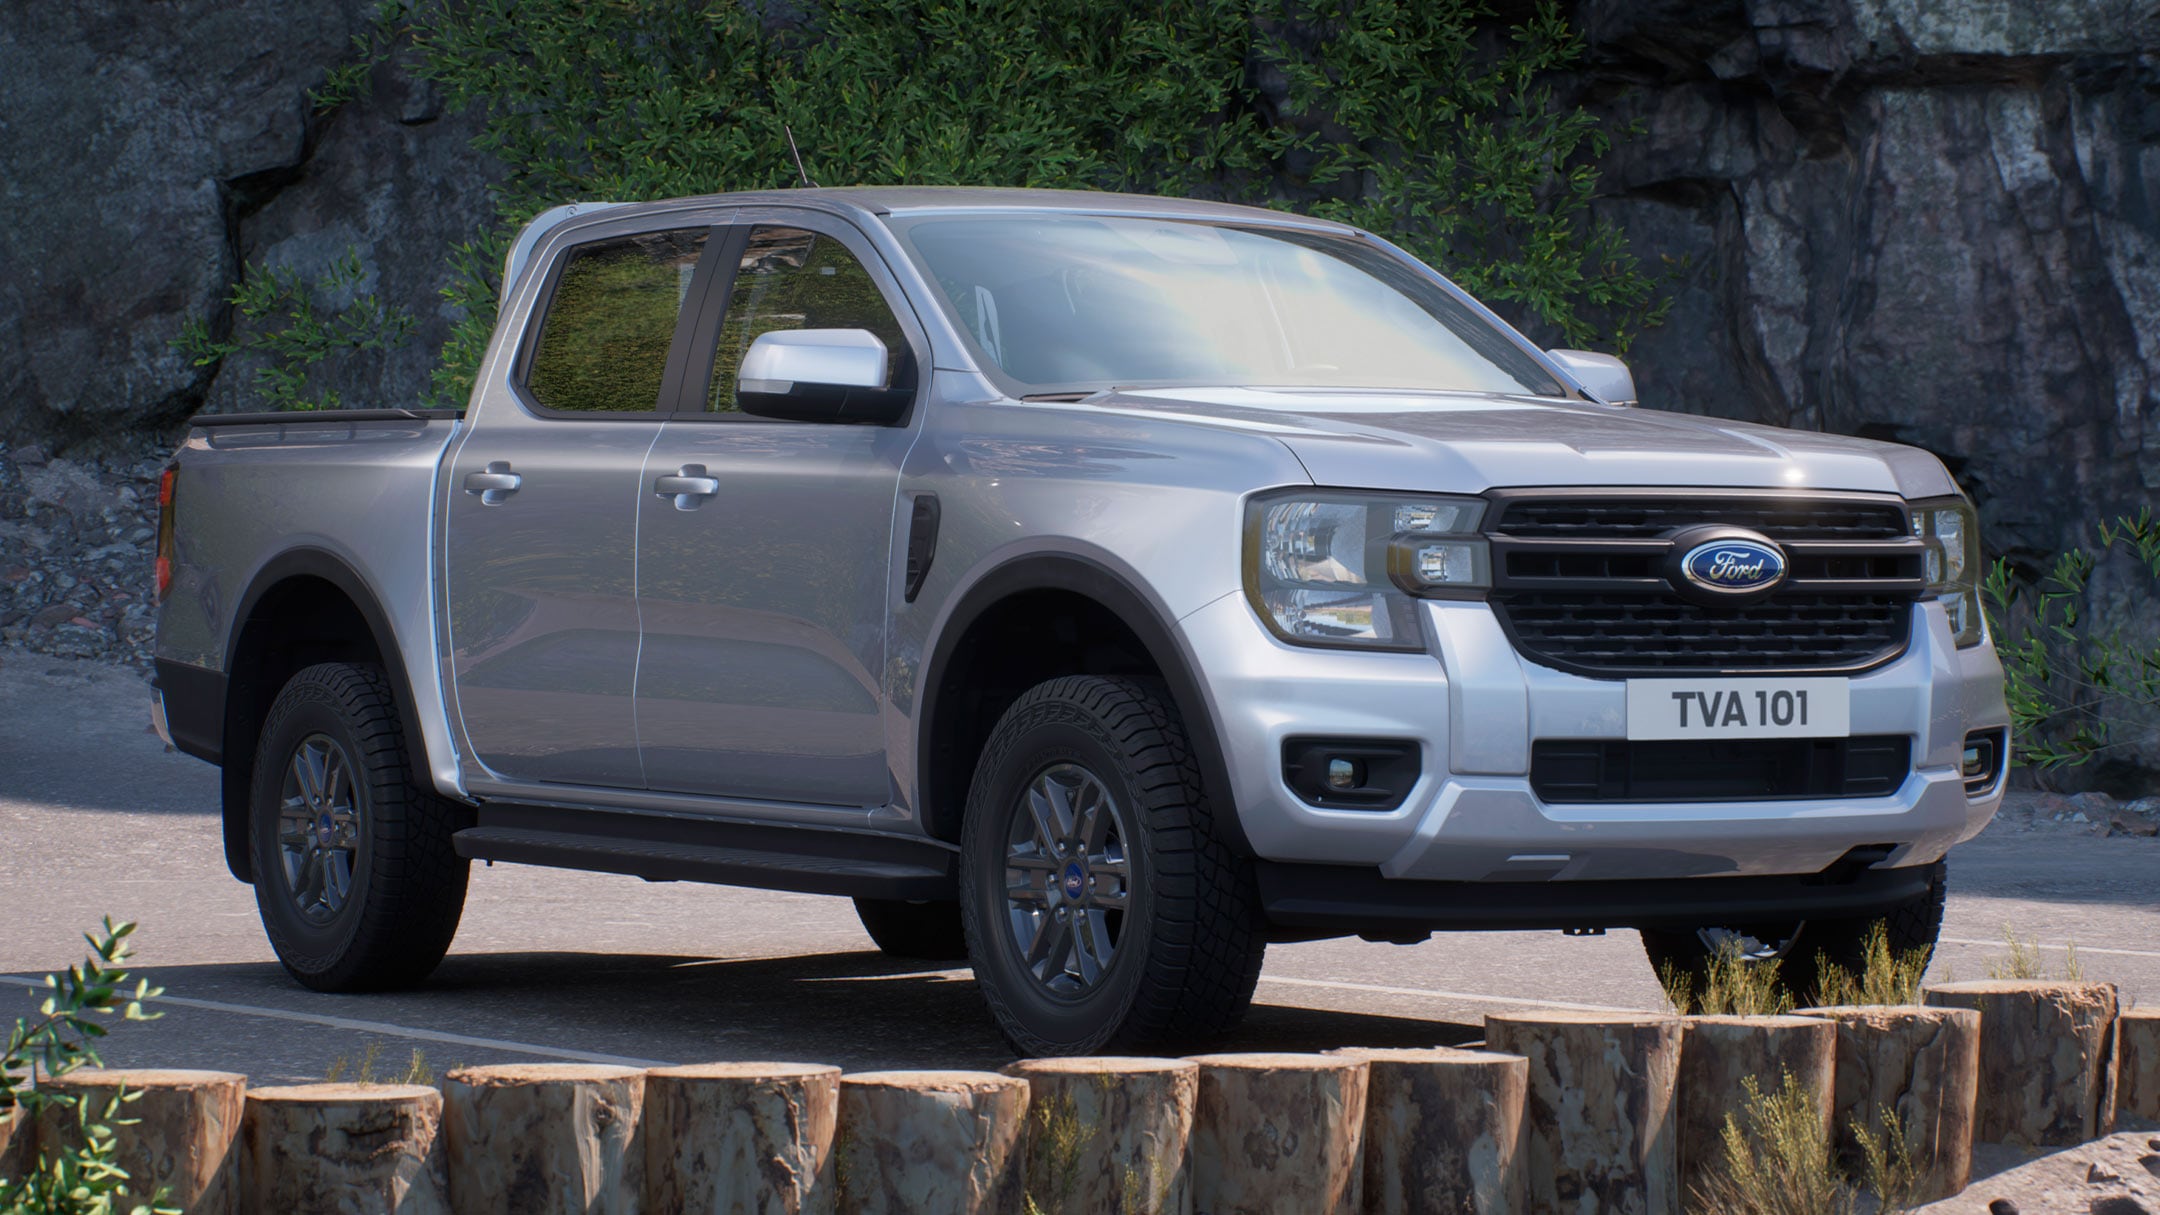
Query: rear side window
point(790, 278)
point(603, 344)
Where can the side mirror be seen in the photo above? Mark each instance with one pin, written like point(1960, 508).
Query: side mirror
point(819, 375)
point(1601, 375)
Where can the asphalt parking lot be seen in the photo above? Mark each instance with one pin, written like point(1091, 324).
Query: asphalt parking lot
point(96, 818)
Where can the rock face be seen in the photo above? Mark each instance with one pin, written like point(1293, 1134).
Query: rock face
point(149, 152)
point(1922, 221)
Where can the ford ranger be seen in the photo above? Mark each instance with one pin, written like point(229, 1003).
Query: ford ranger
point(1096, 588)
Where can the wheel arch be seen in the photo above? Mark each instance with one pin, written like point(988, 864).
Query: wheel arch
point(953, 723)
point(304, 606)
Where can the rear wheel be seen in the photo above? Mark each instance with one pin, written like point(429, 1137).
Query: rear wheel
point(355, 876)
point(1104, 909)
point(927, 930)
point(1801, 949)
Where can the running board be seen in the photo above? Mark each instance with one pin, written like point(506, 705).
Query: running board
point(666, 848)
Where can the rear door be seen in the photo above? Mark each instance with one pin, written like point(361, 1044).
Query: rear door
point(765, 602)
point(540, 556)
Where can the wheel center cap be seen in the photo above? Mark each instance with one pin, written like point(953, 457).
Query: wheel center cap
point(1075, 880)
point(323, 830)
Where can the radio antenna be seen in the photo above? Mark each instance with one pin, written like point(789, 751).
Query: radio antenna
point(800, 172)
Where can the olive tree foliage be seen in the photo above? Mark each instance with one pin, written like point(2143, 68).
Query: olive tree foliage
point(1426, 120)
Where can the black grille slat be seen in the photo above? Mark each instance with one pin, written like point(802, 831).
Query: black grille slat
point(1582, 588)
point(1776, 517)
point(1748, 769)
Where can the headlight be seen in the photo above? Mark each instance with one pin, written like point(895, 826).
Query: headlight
point(1345, 569)
point(1953, 563)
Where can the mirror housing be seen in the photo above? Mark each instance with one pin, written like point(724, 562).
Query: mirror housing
point(819, 375)
point(1603, 376)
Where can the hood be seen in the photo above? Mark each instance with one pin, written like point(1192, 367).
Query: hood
point(1470, 442)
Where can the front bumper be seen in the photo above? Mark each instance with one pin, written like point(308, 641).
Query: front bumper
point(1473, 708)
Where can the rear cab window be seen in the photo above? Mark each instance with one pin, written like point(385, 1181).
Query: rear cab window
point(601, 344)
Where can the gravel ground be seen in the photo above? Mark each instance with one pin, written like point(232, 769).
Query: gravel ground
point(78, 542)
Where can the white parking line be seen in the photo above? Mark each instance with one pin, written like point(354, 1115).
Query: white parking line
point(382, 1028)
point(2127, 953)
point(1469, 997)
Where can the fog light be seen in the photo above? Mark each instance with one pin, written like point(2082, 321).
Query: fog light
point(1343, 775)
point(1981, 761)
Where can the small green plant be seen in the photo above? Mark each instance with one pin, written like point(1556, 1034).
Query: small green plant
point(2071, 686)
point(1776, 1158)
point(1887, 976)
point(1732, 983)
point(1056, 1140)
point(295, 326)
point(2023, 960)
point(364, 1071)
point(84, 1178)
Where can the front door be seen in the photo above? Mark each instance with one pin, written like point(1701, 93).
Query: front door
point(542, 517)
point(765, 601)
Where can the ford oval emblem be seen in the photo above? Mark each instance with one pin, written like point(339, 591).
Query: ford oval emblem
point(1734, 565)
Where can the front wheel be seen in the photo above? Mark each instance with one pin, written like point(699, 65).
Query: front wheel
point(1104, 907)
point(1805, 950)
point(355, 876)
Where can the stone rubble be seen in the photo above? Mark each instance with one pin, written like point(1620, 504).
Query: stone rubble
point(78, 546)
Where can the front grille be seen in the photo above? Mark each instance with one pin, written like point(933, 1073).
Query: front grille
point(1778, 516)
point(1581, 583)
point(1749, 769)
point(1621, 633)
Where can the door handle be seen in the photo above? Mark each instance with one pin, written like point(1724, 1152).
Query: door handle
point(689, 486)
point(494, 485)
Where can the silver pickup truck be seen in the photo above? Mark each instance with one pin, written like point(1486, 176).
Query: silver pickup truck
point(1096, 588)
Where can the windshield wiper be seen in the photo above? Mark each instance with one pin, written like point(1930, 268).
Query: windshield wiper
point(1058, 396)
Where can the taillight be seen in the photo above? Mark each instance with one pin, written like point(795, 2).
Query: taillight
point(165, 529)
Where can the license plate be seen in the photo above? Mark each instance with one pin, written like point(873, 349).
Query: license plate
point(1738, 708)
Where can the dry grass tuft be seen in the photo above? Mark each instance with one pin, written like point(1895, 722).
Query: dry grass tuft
point(1886, 975)
point(1731, 984)
point(2025, 961)
point(1780, 1162)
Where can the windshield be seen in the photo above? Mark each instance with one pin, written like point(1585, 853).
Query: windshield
point(1079, 303)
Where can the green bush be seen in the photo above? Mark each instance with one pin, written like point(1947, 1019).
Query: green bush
point(1403, 117)
point(83, 1179)
point(2071, 684)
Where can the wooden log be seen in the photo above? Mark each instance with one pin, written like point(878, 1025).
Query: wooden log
point(2137, 1093)
point(185, 1138)
point(537, 1139)
point(17, 1146)
point(344, 1149)
point(1443, 1131)
point(1921, 1065)
point(755, 1138)
point(1718, 1055)
point(2047, 1059)
point(950, 1142)
point(1599, 1118)
point(1109, 1135)
point(1279, 1134)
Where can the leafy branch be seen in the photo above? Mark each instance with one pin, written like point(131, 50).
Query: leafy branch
point(292, 333)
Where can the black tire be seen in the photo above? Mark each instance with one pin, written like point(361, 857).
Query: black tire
point(406, 883)
point(1188, 940)
point(1802, 949)
point(930, 931)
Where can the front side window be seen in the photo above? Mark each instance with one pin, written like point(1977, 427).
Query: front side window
point(792, 278)
point(1080, 303)
point(603, 343)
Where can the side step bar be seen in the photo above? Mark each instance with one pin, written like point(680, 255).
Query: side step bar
point(671, 848)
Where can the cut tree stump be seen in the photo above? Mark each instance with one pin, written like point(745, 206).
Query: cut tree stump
point(2047, 1059)
point(545, 1138)
point(1600, 1122)
point(1110, 1134)
point(950, 1142)
point(185, 1139)
point(1719, 1054)
point(1279, 1134)
point(755, 1138)
point(344, 1149)
point(1921, 1064)
point(1443, 1131)
point(2137, 1093)
point(18, 1146)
